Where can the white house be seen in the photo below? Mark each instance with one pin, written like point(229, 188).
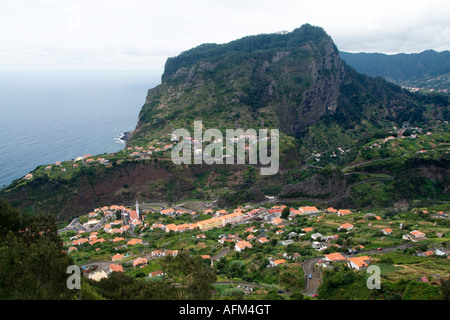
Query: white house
point(241, 245)
point(319, 246)
point(440, 252)
point(316, 236)
point(359, 263)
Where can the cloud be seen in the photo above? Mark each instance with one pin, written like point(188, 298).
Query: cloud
point(142, 34)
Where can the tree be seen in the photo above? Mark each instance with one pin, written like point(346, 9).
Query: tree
point(32, 262)
point(445, 290)
point(188, 276)
point(285, 213)
point(9, 219)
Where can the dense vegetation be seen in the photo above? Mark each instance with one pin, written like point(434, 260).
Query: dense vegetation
point(342, 283)
point(33, 265)
point(32, 262)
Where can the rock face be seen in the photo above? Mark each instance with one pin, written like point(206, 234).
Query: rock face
point(287, 81)
point(283, 80)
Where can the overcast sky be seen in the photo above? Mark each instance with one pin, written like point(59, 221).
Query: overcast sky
point(142, 34)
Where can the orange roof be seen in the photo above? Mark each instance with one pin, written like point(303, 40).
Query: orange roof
point(388, 230)
point(277, 220)
point(133, 215)
point(250, 229)
point(263, 240)
point(336, 256)
point(244, 244)
point(346, 225)
point(344, 211)
point(277, 262)
point(360, 261)
point(309, 229)
point(295, 212)
point(331, 209)
point(97, 241)
point(80, 241)
point(429, 253)
point(155, 273)
point(417, 233)
point(134, 241)
point(116, 268)
point(308, 209)
point(139, 261)
point(117, 256)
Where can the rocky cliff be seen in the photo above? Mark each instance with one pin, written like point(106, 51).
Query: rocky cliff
point(295, 82)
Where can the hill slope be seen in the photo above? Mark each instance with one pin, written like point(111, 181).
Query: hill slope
point(287, 81)
point(295, 82)
point(429, 69)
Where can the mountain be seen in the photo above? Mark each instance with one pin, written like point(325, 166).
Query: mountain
point(429, 69)
point(287, 81)
point(326, 111)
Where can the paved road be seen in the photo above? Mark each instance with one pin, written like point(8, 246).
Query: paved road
point(363, 163)
point(73, 225)
point(220, 254)
point(311, 285)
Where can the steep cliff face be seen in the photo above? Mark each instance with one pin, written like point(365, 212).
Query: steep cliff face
point(287, 81)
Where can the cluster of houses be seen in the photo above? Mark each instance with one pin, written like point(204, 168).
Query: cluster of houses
point(221, 219)
point(89, 159)
point(414, 236)
point(440, 252)
point(141, 151)
point(357, 263)
point(119, 219)
point(92, 239)
point(139, 262)
point(400, 131)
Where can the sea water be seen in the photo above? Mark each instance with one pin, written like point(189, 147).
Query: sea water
point(60, 115)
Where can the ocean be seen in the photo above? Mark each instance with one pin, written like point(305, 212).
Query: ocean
point(60, 115)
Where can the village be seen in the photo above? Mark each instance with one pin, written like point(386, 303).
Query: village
point(133, 239)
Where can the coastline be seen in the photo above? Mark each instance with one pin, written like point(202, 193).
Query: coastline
point(123, 137)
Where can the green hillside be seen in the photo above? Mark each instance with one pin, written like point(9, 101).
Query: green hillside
point(327, 114)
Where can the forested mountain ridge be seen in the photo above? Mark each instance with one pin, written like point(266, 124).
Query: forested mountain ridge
point(286, 81)
point(428, 69)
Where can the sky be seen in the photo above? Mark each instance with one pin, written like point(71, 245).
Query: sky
point(142, 34)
